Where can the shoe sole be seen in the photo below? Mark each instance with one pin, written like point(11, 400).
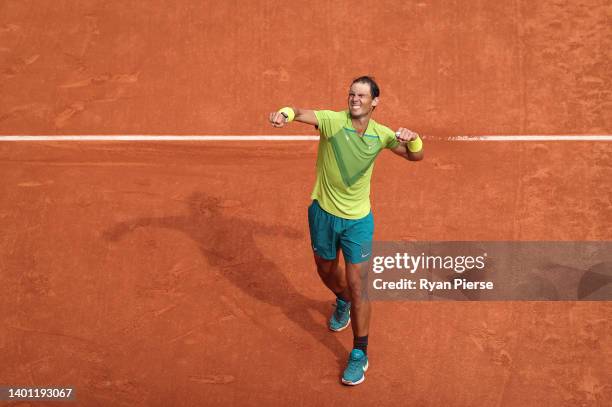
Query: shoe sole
point(341, 328)
point(349, 383)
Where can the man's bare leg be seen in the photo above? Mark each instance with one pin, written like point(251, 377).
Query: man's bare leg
point(360, 304)
point(333, 276)
point(335, 279)
point(360, 310)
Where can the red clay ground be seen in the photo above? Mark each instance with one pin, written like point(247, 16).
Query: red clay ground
point(180, 274)
point(164, 274)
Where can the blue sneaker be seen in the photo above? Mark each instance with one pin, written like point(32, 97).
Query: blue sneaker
point(341, 318)
point(356, 368)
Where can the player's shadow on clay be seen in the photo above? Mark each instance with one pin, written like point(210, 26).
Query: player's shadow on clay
point(229, 246)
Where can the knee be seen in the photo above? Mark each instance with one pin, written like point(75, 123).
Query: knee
point(322, 268)
point(334, 275)
point(325, 267)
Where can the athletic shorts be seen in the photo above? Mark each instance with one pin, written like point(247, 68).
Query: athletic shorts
point(328, 233)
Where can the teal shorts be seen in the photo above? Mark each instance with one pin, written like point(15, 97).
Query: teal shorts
point(329, 233)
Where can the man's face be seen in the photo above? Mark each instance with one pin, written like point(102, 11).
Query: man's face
point(360, 100)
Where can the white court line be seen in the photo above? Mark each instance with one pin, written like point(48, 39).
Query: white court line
point(169, 137)
point(154, 137)
point(536, 137)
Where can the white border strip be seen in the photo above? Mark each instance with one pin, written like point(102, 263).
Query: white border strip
point(168, 137)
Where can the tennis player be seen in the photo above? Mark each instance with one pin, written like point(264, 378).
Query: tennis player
point(339, 216)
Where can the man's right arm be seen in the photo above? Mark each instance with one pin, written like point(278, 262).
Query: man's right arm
point(277, 119)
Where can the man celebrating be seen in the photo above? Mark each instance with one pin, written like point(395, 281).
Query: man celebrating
point(339, 216)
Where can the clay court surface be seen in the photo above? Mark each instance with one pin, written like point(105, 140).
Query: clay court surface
point(180, 273)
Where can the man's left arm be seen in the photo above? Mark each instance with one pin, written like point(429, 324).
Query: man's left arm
point(410, 145)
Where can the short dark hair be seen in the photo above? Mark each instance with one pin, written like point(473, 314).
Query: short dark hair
point(374, 89)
